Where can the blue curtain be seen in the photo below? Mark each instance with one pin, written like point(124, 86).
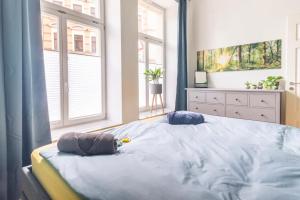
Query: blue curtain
point(182, 57)
point(24, 123)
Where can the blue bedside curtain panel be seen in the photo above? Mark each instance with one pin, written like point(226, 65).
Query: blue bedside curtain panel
point(24, 123)
point(182, 57)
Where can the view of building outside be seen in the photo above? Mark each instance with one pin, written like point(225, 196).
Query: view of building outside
point(82, 39)
point(88, 7)
point(150, 20)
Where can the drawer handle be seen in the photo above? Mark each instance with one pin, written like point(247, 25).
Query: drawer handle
point(215, 110)
point(262, 115)
point(196, 97)
point(237, 99)
point(215, 98)
point(262, 101)
point(196, 108)
point(237, 113)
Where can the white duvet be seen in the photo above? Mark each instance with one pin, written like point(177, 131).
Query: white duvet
point(222, 159)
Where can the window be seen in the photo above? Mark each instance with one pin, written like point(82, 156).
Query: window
point(151, 19)
point(58, 2)
point(151, 48)
point(77, 8)
point(94, 44)
point(81, 6)
point(74, 65)
point(52, 67)
point(78, 43)
point(93, 11)
point(55, 41)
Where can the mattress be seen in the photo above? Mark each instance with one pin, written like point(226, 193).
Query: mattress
point(50, 179)
point(221, 159)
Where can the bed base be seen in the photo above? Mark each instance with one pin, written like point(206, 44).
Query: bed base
point(31, 188)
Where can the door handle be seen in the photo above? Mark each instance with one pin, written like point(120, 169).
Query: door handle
point(294, 83)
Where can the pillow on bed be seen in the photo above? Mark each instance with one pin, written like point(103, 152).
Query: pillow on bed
point(185, 117)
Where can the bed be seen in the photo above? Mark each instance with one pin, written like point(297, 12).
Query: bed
point(221, 159)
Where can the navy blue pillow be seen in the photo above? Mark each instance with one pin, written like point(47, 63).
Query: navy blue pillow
point(185, 117)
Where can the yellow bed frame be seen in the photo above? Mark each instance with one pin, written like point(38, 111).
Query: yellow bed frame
point(49, 178)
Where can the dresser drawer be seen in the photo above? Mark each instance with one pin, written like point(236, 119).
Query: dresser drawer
point(263, 100)
point(265, 115)
point(215, 97)
point(238, 112)
point(239, 99)
point(209, 109)
point(197, 96)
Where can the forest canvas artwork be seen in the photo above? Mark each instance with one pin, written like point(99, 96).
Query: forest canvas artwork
point(255, 56)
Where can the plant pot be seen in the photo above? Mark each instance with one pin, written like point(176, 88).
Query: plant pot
point(253, 87)
point(156, 88)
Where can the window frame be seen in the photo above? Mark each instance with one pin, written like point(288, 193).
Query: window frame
point(64, 15)
point(93, 43)
point(94, 11)
point(157, 41)
point(74, 34)
point(58, 2)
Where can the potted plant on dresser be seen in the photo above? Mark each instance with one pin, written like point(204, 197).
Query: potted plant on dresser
point(154, 75)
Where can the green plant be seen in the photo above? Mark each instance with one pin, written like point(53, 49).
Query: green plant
point(253, 86)
point(271, 82)
point(248, 85)
point(260, 85)
point(154, 75)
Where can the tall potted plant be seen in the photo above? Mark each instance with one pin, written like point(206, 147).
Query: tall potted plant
point(154, 76)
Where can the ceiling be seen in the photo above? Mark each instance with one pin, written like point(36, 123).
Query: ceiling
point(165, 3)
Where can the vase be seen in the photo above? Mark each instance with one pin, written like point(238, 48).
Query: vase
point(156, 88)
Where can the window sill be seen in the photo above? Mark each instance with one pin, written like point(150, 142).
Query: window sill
point(156, 112)
point(86, 127)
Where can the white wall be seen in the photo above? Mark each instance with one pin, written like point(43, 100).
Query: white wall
point(216, 23)
point(171, 55)
point(113, 61)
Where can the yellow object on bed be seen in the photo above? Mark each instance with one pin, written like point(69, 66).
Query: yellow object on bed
point(50, 179)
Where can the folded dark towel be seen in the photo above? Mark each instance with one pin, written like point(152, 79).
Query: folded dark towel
point(86, 144)
point(185, 117)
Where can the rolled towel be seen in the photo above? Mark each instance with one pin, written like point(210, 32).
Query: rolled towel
point(86, 144)
point(185, 117)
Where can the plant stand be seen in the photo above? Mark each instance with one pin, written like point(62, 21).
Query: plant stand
point(154, 98)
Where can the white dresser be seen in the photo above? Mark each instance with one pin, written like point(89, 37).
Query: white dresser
point(258, 105)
